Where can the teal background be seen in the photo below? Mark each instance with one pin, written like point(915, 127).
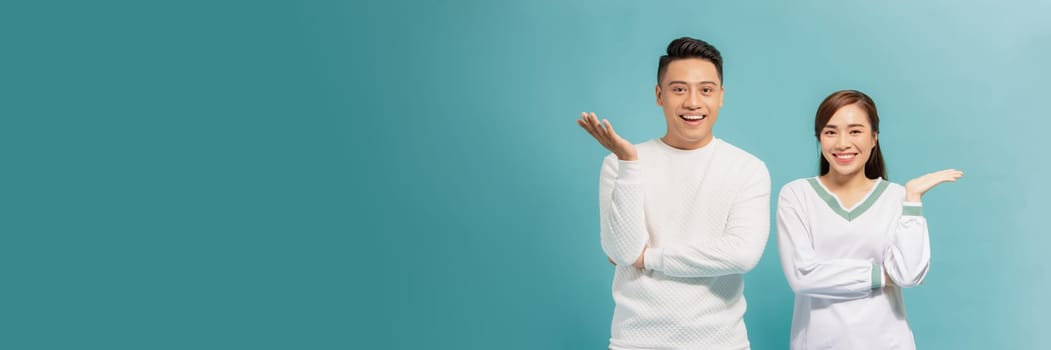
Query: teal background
point(400, 175)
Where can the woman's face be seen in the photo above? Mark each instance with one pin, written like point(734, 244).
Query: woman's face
point(847, 141)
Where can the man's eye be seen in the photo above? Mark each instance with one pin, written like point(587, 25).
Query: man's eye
point(707, 90)
point(830, 132)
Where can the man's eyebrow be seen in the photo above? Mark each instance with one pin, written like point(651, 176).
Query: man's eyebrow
point(685, 83)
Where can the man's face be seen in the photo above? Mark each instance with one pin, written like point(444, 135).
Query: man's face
point(691, 94)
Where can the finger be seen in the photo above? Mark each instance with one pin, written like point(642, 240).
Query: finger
point(585, 117)
point(614, 139)
point(591, 123)
point(584, 125)
point(609, 127)
point(596, 133)
point(944, 177)
point(951, 174)
point(943, 174)
point(602, 123)
point(591, 130)
point(598, 126)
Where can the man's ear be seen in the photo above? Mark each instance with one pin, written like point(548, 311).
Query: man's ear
point(657, 91)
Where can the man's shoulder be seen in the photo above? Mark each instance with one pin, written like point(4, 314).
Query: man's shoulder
point(651, 145)
point(739, 155)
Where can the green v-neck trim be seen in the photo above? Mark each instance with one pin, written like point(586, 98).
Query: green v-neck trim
point(838, 209)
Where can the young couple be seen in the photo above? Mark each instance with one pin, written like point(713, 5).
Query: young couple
point(684, 216)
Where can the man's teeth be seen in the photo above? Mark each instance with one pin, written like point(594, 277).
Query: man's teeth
point(693, 117)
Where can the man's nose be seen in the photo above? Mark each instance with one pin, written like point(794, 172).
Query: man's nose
point(694, 100)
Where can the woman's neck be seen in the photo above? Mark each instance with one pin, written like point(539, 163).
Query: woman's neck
point(850, 183)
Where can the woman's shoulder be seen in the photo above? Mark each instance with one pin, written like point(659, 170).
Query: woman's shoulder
point(894, 190)
point(800, 182)
point(797, 186)
point(894, 185)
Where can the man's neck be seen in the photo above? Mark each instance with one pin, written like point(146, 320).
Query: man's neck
point(686, 145)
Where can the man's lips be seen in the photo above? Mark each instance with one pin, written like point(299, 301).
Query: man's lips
point(693, 118)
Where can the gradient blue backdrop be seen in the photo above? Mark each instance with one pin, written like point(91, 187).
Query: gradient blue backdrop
point(408, 174)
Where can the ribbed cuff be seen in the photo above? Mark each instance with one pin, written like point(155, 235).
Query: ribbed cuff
point(912, 209)
point(629, 171)
point(877, 276)
point(654, 259)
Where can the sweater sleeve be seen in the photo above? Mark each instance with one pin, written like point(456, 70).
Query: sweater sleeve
point(621, 211)
point(808, 275)
point(737, 250)
point(909, 255)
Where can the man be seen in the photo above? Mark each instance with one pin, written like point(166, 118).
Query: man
point(683, 217)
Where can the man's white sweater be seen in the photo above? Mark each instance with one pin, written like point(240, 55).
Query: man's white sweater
point(704, 217)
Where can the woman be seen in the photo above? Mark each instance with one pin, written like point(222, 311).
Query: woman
point(850, 240)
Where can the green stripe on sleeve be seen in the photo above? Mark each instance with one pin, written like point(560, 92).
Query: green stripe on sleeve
point(877, 274)
point(911, 210)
